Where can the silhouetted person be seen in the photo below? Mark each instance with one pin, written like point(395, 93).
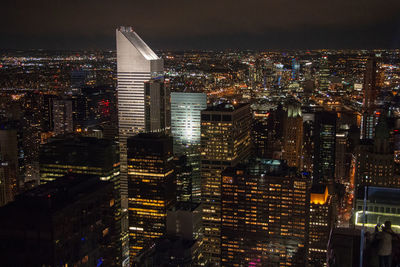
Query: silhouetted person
point(385, 238)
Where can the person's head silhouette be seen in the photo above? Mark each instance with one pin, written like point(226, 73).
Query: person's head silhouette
point(388, 225)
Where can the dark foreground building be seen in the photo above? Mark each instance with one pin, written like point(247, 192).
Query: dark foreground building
point(68, 222)
point(344, 247)
point(73, 154)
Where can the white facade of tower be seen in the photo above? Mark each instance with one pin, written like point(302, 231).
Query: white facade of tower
point(186, 117)
point(136, 64)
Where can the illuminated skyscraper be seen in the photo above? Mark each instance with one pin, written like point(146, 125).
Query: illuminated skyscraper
point(375, 164)
point(307, 161)
point(370, 115)
point(136, 64)
point(321, 223)
point(62, 116)
point(225, 141)
point(323, 80)
point(186, 114)
point(264, 211)
point(185, 127)
point(260, 136)
point(368, 122)
point(324, 147)
point(342, 157)
point(370, 89)
point(151, 177)
point(293, 135)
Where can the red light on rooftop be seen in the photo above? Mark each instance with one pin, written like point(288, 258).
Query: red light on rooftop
point(49, 196)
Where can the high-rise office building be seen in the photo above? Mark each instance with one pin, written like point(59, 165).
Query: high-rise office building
point(136, 64)
point(18, 145)
point(293, 135)
point(184, 178)
point(307, 157)
point(47, 112)
point(260, 136)
point(369, 86)
point(69, 222)
point(323, 78)
point(375, 164)
point(324, 147)
point(8, 182)
point(85, 155)
point(181, 242)
point(370, 114)
point(9, 171)
point(273, 134)
point(78, 154)
point(62, 116)
point(225, 141)
point(320, 224)
point(264, 211)
point(151, 177)
point(157, 106)
point(342, 156)
point(368, 121)
point(186, 110)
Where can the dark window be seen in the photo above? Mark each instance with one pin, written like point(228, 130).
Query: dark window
point(205, 117)
point(216, 117)
point(226, 118)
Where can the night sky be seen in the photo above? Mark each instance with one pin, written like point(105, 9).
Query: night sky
point(202, 24)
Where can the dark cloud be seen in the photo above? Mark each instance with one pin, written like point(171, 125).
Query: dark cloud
point(201, 24)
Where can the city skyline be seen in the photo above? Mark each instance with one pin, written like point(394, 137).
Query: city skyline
point(201, 157)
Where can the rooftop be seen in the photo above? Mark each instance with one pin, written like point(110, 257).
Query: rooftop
point(185, 206)
point(57, 194)
point(140, 45)
point(261, 166)
point(226, 107)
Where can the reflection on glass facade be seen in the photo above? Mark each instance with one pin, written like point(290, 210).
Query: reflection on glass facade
point(185, 113)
